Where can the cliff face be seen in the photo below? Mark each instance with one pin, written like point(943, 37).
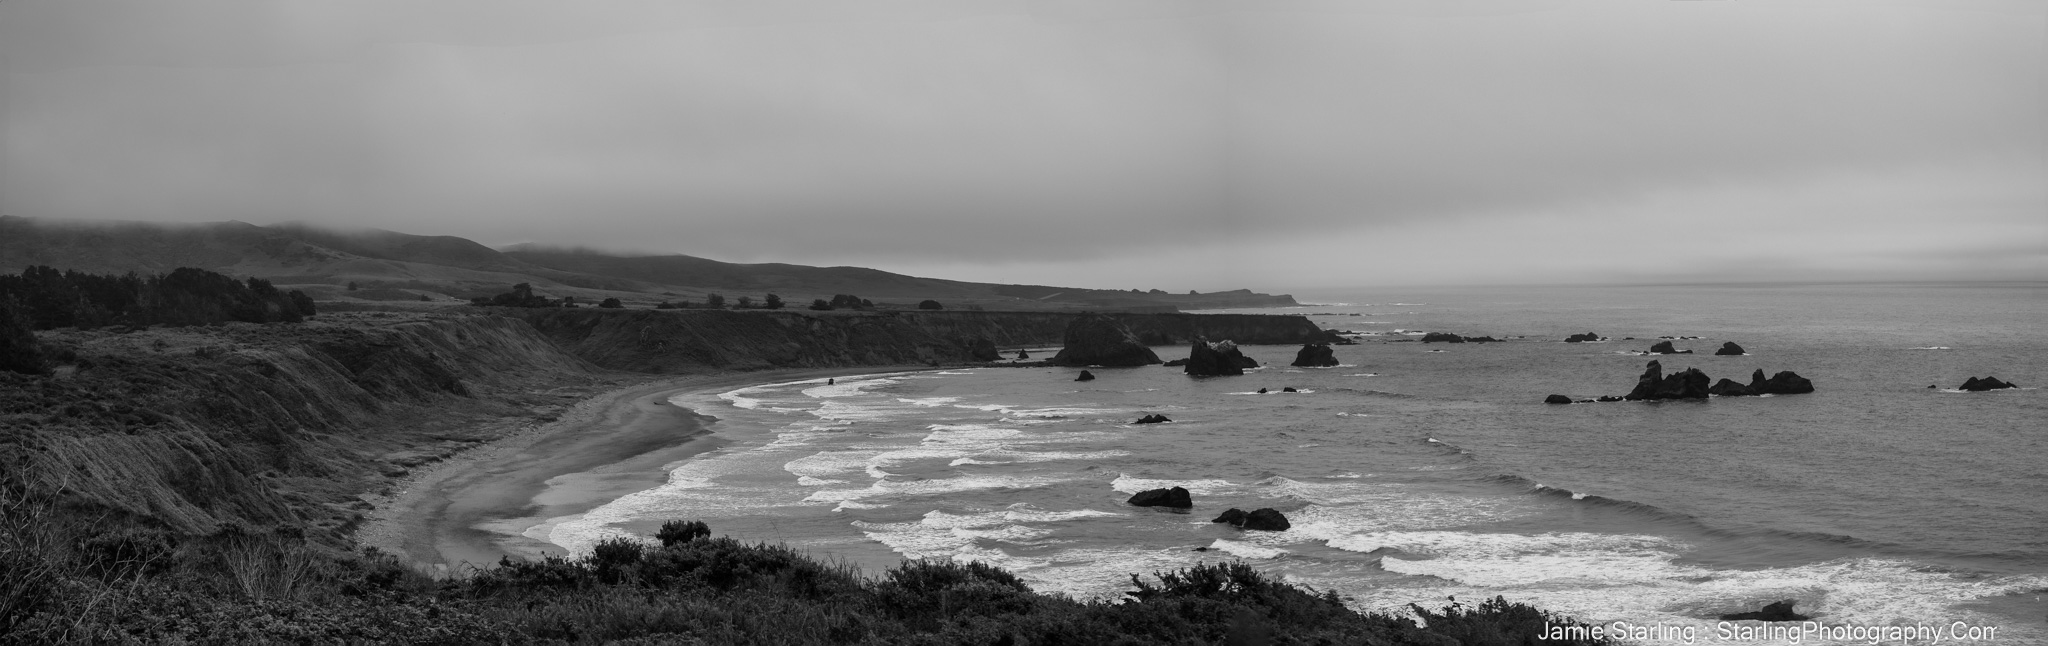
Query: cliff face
point(193, 428)
point(687, 340)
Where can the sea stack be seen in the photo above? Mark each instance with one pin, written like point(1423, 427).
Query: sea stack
point(1315, 355)
point(982, 349)
point(1221, 358)
point(1729, 349)
point(1097, 340)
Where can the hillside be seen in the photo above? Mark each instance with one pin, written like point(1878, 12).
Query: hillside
point(389, 265)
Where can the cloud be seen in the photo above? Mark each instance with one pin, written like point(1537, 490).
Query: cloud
point(994, 137)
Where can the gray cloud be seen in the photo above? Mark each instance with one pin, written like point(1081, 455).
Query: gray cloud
point(1056, 141)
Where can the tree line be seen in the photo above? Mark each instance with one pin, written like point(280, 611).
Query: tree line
point(51, 299)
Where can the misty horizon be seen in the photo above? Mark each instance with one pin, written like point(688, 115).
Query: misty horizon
point(1294, 147)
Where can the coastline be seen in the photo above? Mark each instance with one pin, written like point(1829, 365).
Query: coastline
point(471, 509)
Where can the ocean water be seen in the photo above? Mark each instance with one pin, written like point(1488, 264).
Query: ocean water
point(1413, 473)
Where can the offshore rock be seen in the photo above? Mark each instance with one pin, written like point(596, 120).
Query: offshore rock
point(1235, 517)
point(1582, 338)
point(1729, 388)
point(1783, 383)
point(1267, 519)
point(1655, 385)
point(1557, 399)
point(1217, 359)
point(1315, 355)
point(1022, 354)
point(1085, 376)
point(1780, 611)
point(1097, 340)
point(1664, 347)
point(1444, 337)
point(1481, 339)
point(1152, 419)
point(1976, 385)
point(1176, 498)
point(1729, 349)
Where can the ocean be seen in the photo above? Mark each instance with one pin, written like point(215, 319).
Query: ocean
point(1415, 473)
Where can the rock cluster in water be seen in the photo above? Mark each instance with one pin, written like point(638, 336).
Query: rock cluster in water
point(1098, 340)
point(1442, 337)
point(1266, 519)
point(1152, 419)
point(1176, 498)
point(1315, 355)
point(1783, 383)
point(1664, 347)
point(1654, 384)
point(1582, 338)
point(1729, 349)
point(1221, 358)
point(1976, 385)
point(1780, 611)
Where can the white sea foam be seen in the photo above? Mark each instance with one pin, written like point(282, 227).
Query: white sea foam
point(929, 402)
point(1247, 550)
point(910, 488)
point(1933, 347)
point(1005, 456)
point(1127, 484)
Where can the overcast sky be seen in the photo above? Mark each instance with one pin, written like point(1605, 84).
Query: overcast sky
point(1273, 144)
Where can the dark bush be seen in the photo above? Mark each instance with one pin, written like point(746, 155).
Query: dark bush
point(820, 304)
point(610, 304)
point(929, 304)
point(19, 351)
point(772, 302)
point(676, 531)
point(521, 296)
point(714, 301)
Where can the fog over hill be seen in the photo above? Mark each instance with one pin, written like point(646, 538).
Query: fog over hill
point(389, 265)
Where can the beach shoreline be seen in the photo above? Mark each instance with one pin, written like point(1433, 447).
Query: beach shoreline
point(472, 509)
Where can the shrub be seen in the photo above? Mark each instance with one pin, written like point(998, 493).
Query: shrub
point(19, 351)
point(610, 304)
point(820, 304)
point(675, 531)
point(714, 301)
point(665, 305)
point(772, 302)
point(929, 304)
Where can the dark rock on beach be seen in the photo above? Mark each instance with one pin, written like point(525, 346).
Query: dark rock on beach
point(1085, 376)
point(1780, 611)
point(1664, 347)
point(1654, 384)
point(1582, 338)
point(1217, 359)
point(1176, 498)
point(1152, 419)
point(1976, 385)
point(1442, 337)
point(982, 349)
point(1557, 399)
point(1021, 354)
point(1099, 340)
point(1315, 355)
point(1729, 349)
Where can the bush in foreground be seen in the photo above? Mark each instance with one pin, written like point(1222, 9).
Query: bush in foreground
point(247, 586)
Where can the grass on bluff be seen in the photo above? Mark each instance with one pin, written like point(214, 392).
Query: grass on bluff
point(67, 581)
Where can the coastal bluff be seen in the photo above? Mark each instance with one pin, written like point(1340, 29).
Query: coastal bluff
point(697, 340)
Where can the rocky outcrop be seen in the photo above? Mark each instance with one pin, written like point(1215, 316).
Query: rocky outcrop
point(1176, 363)
point(1655, 385)
point(1729, 388)
point(1152, 419)
point(1315, 355)
point(982, 349)
point(1729, 349)
point(1780, 611)
point(1582, 338)
point(1557, 399)
point(1664, 347)
point(1085, 376)
point(1481, 339)
point(1023, 354)
point(1176, 498)
point(1221, 358)
point(1265, 519)
point(1976, 385)
point(1442, 337)
point(1098, 340)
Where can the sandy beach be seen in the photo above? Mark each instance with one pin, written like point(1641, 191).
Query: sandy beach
point(470, 510)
